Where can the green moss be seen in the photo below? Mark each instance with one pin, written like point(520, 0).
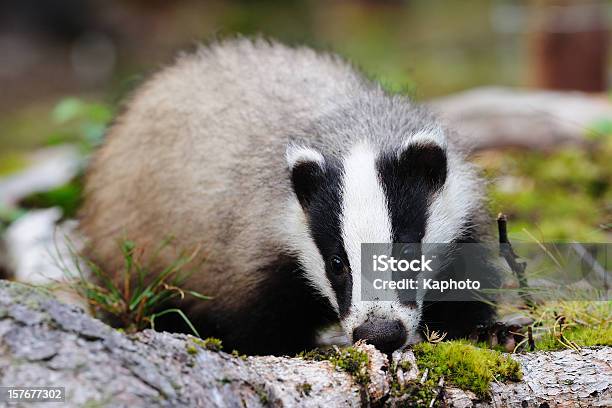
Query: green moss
point(405, 365)
point(304, 389)
point(555, 196)
point(211, 343)
point(413, 394)
point(191, 349)
point(349, 359)
point(68, 197)
point(465, 366)
point(236, 353)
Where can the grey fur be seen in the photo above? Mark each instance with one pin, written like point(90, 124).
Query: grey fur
point(199, 151)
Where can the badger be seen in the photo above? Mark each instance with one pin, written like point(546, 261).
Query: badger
point(279, 162)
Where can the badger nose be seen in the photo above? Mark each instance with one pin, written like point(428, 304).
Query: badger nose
point(386, 335)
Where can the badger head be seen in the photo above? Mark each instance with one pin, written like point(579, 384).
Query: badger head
point(420, 190)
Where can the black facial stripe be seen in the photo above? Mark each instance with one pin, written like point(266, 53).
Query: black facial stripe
point(463, 317)
point(306, 177)
point(407, 198)
point(409, 180)
point(409, 185)
point(324, 210)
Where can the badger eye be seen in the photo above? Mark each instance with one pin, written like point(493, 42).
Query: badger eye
point(410, 251)
point(337, 265)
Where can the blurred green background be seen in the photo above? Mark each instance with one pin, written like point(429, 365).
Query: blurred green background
point(67, 64)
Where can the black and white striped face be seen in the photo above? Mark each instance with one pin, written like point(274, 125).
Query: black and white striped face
point(408, 195)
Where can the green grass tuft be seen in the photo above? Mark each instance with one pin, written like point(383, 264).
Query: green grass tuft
point(134, 297)
point(559, 325)
point(578, 336)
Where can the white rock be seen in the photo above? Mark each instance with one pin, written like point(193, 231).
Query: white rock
point(51, 167)
point(41, 252)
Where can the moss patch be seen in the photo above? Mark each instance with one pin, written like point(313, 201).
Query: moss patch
point(236, 353)
point(211, 343)
point(349, 359)
point(413, 394)
point(465, 366)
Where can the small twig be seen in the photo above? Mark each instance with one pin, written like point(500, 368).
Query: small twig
point(439, 389)
point(560, 337)
point(519, 345)
point(492, 336)
point(518, 267)
point(530, 340)
point(561, 320)
point(400, 378)
point(433, 336)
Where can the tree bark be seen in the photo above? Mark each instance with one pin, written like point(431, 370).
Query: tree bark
point(46, 343)
point(568, 45)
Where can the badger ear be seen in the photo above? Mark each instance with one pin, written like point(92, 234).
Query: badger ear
point(307, 168)
point(423, 158)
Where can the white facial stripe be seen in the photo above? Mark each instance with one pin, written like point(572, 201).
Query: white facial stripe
point(365, 214)
point(300, 154)
point(303, 246)
point(365, 219)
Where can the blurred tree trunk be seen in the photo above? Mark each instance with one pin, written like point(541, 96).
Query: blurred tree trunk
point(569, 45)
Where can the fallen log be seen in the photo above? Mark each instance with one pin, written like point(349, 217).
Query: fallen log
point(46, 343)
point(495, 117)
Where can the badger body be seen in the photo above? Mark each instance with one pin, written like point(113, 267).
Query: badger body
point(278, 163)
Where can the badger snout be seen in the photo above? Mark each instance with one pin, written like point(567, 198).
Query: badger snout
point(384, 334)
